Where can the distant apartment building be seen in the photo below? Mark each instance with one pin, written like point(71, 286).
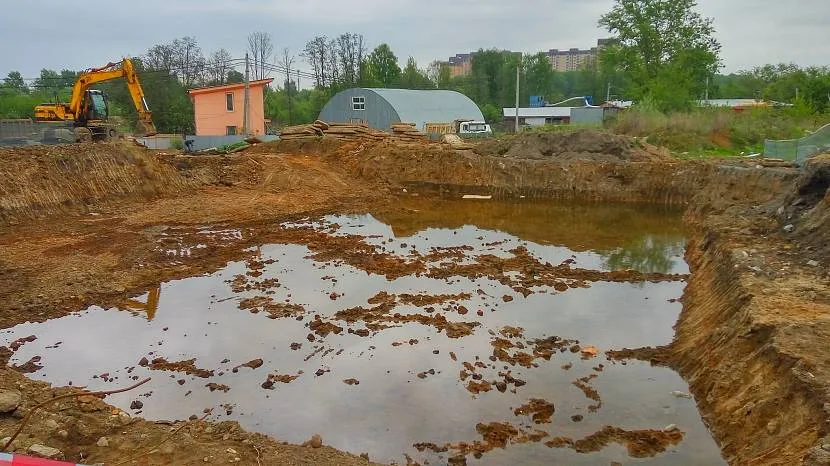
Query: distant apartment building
point(560, 60)
point(461, 64)
point(575, 59)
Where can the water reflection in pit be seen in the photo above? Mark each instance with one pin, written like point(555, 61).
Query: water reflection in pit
point(408, 383)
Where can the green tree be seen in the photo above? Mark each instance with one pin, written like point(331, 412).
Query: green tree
point(14, 81)
point(413, 78)
point(667, 48)
point(50, 84)
point(382, 66)
point(492, 114)
point(539, 75)
point(166, 96)
point(486, 81)
point(234, 77)
point(68, 78)
point(741, 85)
point(440, 75)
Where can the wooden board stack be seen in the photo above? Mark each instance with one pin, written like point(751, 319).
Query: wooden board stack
point(407, 131)
point(351, 132)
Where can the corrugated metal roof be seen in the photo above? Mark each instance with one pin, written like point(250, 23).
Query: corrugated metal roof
point(538, 112)
point(430, 106)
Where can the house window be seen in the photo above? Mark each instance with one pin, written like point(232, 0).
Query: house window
point(229, 101)
point(230, 130)
point(359, 103)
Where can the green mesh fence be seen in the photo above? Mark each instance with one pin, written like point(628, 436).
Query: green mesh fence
point(799, 150)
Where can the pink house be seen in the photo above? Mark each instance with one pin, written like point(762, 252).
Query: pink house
point(219, 110)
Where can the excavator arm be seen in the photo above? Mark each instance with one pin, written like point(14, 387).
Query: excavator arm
point(124, 69)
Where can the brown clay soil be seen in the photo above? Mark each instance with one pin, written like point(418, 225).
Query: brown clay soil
point(102, 223)
point(574, 145)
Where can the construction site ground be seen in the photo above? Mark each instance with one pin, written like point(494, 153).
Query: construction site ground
point(87, 224)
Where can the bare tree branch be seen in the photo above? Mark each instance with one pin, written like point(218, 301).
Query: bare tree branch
point(261, 49)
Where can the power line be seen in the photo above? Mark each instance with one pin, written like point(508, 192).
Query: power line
point(53, 82)
point(212, 66)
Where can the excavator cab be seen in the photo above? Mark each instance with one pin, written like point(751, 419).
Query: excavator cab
point(95, 106)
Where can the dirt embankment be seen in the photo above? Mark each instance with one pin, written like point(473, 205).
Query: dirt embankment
point(807, 208)
point(569, 146)
point(634, 176)
point(752, 337)
point(47, 179)
point(50, 181)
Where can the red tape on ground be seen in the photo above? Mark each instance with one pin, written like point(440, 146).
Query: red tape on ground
point(7, 459)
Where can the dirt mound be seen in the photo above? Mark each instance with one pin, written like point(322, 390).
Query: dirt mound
point(805, 211)
point(573, 145)
point(75, 426)
point(39, 179)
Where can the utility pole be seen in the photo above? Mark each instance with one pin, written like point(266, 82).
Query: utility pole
point(518, 77)
point(288, 93)
point(608, 95)
point(246, 122)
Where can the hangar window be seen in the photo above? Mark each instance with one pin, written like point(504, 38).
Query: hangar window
point(359, 103)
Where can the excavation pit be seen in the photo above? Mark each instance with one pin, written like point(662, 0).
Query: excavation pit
point(436, 330)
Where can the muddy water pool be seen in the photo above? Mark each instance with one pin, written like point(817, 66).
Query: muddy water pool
point(442, 330)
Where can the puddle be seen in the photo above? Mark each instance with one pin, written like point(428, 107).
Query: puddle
point(449, 357)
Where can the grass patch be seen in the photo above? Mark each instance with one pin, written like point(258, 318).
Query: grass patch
point(714, 132)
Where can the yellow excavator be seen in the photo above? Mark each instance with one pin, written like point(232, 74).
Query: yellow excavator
point(88, 110)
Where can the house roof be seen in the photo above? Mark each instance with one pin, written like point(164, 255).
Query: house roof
point(538, 112)
point(229, 87)
point(430, 106)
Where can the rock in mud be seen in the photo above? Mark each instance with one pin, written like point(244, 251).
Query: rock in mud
point(15, 345)
point(43, 451)
point(103, 442)
point(9, 400)
point(218, 387)
point(253, 364)
point(679, 394)
point(540, 410)
point(316, 441)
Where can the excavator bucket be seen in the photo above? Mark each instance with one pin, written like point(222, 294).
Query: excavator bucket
point(146, 127)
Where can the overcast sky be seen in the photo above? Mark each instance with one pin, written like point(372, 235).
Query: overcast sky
point(57, 34)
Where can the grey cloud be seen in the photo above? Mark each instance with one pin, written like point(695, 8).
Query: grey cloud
point(34, 34)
